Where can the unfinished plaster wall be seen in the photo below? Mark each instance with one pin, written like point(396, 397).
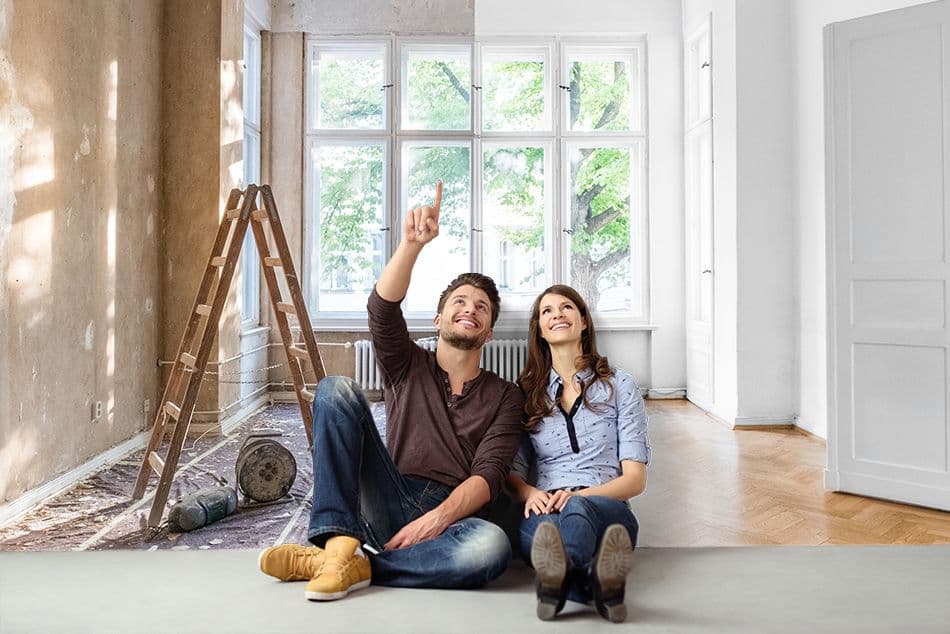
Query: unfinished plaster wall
point(282, 154)
point(361, 17)
point(203, 129)
point(80, 230)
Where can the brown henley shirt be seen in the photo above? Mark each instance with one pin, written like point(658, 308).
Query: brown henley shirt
point(430, 432)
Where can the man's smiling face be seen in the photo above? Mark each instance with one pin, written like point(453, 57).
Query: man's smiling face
point(465, 320)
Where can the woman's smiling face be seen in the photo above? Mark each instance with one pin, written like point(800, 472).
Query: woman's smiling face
point(560, 319)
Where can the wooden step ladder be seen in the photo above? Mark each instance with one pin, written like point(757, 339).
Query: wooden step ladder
point(181, 390)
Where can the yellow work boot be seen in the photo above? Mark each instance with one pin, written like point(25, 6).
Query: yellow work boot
point(343, 570)
point(291, 562)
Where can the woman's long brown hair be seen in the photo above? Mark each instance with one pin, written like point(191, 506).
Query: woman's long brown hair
point(537, 370)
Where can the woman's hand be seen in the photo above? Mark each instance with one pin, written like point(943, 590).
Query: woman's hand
point(557, 500)
point(536, 501)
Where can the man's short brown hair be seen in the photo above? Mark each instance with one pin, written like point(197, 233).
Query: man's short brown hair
point(479, 281)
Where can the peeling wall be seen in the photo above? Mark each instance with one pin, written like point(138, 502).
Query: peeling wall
point(362, 17)
point(191, 130)
point(203, 132)
point(80, 230)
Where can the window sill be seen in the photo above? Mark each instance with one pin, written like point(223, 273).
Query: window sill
point(509, 326)
point(251, 331)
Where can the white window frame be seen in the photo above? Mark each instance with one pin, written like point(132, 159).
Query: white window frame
point(515, 319)
point(639, 311)
point(250, 260)
point(498, 47)
point(556, 140)
point(312, 220)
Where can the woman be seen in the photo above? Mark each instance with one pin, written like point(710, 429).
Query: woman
point(587, 441)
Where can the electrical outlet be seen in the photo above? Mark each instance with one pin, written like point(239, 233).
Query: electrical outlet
point(146, 406)
point(96, 411)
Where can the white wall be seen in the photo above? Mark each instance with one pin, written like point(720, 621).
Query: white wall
point(657, 360)
point(766, 323)
point(808, 18)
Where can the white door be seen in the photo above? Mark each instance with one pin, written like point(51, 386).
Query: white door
point(699, 217)
point(887, 148)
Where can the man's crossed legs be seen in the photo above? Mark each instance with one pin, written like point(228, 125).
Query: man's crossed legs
point(360, 498)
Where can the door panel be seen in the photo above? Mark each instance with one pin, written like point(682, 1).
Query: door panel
point(700, 284)
point(889, 432)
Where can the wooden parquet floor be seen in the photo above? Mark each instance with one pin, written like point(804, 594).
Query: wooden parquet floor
point(708, 485)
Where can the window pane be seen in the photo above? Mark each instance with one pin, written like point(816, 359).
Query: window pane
point(600, 92)
point(514, 218)
point(438, 89)
point(448, 255)
point(250, 261)
point(599, 203)
point(349, 86)
point(513, 93)
point(350, 248)
point(252, 77)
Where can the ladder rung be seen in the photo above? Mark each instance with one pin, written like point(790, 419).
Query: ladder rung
point(300, 353)
point(203, 309)
point(259, 215)
point(273, 262)
point(156, 462)
point(307, 394)
point(172, 410)
point(231, 214)
point(218, 260)
point(188, 360)
point(286, 308)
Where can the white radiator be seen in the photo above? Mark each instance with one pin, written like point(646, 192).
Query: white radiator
point(504, 357)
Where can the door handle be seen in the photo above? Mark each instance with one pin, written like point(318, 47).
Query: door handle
point(707, 271)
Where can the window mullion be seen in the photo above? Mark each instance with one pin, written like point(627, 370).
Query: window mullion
point(478, 220)
point(391, 213)
point(558, 243)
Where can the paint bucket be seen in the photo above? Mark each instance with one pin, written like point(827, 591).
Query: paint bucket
point(265, 469)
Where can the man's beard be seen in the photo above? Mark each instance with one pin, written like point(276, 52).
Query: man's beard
point(463, 342)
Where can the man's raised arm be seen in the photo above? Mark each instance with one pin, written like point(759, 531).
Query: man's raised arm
point(420, 226)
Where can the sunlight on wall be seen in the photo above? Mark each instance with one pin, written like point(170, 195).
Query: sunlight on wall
point(36, 162)
point(232, 103)
point(236, 173)
point(17, 451)
point(15, 121)
point(110, 309)
point(28, 276)
point(113, 89)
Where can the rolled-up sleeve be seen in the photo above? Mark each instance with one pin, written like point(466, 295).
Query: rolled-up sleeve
point(632, 441)
point(497, 449)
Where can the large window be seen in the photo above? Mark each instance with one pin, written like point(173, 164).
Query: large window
point(541, 148)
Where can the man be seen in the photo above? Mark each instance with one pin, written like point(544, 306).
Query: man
point(452, 433)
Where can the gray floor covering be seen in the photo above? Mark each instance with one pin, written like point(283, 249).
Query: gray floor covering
point(753, 589)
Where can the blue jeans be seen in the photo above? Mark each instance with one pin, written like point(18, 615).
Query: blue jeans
point(358, 491)
point(582, 523)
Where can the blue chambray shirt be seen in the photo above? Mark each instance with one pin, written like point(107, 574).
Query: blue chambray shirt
point(614, 429)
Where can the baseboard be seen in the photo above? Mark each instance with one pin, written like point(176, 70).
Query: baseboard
point(666, 393)
point(35, 497)
point(746, 422)
point(226, 424)
point(285, 396)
